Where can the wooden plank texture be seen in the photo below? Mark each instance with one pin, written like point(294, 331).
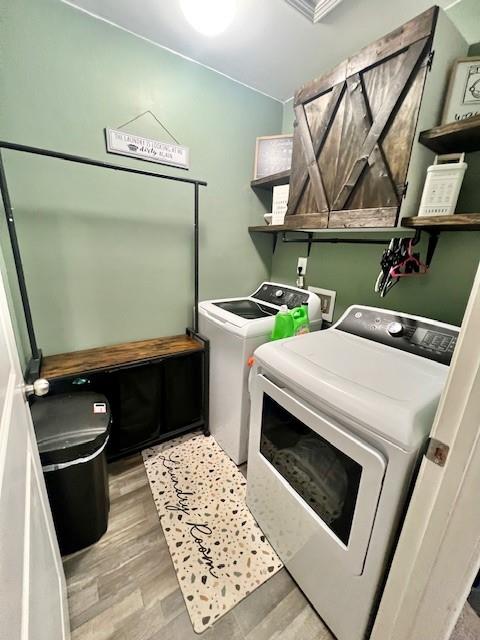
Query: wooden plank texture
point(311, 160)
point(396, 88)
point(363, 218)
point(268, 182)
point(103, 358)
point(454, 137)
point(355, 129)
point(457, 222)
point(416, 29)
point(318, 126)
point(316, 87)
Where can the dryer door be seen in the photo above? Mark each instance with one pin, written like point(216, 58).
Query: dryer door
point(321, 481)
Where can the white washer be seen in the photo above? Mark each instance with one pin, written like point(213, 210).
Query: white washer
point(339, 419)
point(235, 327)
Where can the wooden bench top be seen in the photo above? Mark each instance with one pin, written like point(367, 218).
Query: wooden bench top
point(103, 358)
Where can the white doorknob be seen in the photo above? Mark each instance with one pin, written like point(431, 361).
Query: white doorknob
point(39, 388)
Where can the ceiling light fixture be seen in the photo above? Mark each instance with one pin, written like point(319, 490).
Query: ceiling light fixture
point(315, 10)
point(209, 17)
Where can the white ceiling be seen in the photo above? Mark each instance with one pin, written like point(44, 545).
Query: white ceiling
point(269, 46)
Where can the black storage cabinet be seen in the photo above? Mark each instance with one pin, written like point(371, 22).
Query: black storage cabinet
point(149, 401)
point(72, 432)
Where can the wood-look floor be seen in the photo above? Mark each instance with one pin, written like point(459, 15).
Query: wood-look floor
point(125, 586)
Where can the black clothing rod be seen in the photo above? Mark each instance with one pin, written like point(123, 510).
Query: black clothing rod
point(334, 240)
point(94, 163)
point(35, 362)
point(196, 258)
point(18, 261)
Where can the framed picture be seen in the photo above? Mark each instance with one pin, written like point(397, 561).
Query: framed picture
point(273, 154)
point(463, 93)
point(327, 302)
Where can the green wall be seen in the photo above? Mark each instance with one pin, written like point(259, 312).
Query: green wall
point(108, 257)
point(352, 270)
point(466, 16)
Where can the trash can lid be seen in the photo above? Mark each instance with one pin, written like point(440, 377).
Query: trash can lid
point(70, 426)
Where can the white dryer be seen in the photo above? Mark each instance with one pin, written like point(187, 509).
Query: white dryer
point(235, 327)
point(339, 420)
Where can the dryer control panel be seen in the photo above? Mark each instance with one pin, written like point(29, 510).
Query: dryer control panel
point(420, 336)
point(279, 294)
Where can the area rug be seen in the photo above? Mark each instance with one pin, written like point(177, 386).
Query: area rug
point(218, 551)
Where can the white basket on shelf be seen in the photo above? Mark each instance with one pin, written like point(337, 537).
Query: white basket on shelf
point(442, 186)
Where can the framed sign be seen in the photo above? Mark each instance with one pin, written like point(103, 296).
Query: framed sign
point(463, 94)
point(273, 154)
point(127, 144)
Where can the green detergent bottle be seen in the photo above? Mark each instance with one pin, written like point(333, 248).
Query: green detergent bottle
point(283, 327)
point(301, 323)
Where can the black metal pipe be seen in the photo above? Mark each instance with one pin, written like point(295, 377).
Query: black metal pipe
point(206, 387)
point(334, 241)
point(432, 245)
point(205, 378)
point(196, 258)
point(94, 163)
point(18, 261)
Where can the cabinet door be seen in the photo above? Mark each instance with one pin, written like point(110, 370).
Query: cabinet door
point(135, 395)
point(354, 130)
point(182, 404)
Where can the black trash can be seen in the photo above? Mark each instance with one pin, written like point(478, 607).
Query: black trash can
point(72, 432)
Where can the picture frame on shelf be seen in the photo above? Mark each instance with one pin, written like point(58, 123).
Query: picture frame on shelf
point(273, 154)
point(463, 93)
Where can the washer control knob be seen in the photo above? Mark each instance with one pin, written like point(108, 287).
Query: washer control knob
point(278, 293)
point(395, 329)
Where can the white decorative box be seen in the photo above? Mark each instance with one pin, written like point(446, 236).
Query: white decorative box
point(442, 186)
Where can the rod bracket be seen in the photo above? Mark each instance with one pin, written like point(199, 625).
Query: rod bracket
point(310, 238)
point(432, 245)
point(274, 241)
point(33, 368)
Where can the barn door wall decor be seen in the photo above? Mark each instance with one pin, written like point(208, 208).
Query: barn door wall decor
point(354, 131)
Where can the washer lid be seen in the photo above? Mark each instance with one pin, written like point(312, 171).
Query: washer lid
point(389, 391)
point(246, 308)
point(232, 323)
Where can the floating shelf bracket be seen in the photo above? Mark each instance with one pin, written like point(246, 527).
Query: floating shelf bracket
point(310, 240)
point(432, 245)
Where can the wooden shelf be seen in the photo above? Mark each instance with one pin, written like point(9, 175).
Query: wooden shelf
point(104, 358)
point(457, 222)
point(270, 228)
point(360, 231)
point(455, 137)
point(268, 182)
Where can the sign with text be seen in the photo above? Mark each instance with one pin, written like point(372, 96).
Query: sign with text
point(273, 155)
point(127, 144)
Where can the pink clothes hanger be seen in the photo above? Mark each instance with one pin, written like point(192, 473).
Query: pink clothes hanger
point(410, 266)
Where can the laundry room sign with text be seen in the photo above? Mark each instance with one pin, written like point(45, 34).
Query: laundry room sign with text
point(127, 144)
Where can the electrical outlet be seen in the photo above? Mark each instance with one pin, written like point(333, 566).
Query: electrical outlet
point(302, 266)
point(327, 301)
